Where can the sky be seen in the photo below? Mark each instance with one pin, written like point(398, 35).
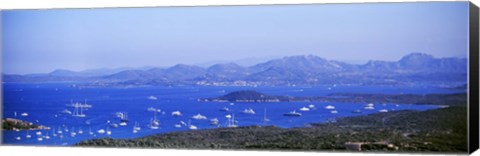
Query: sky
point(40, 41)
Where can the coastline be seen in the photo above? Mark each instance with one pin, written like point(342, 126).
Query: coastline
point(392, 131)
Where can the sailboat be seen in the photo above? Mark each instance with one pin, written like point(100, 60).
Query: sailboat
point(78, 111)
point(53, 133)
point(231, 121)
point(80, 131)
point(265, 119)
point(136, 127)
point(73, 133)
point(191, 127)
point(109, 132)
point(47, 136)
point(124, 120)
point(28, 135)
point(90, 131)
point(152, 124)
point(18, 138)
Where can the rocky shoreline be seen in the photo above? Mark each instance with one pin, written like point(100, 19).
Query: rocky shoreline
point(17, 125)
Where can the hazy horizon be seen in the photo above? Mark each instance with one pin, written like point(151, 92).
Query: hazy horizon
point(40, 41)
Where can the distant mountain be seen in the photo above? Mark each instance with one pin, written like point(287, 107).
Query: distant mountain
point(291, 70)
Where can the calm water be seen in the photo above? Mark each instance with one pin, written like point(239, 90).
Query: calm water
point(44, 103)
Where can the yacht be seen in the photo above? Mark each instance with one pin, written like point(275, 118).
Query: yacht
point(199, 117)
point(38, 133)
point(124, 120)
point(329, 107)
point(248, 111)
point(136, 127)
point(24, 114)
point(151, 109)
point(177, 126)
point(231, 122)
point(109, 132)
point(101, 131)
point(28, 135)
point(114, 125)
point(176, 113)
point(214, 121)
point(153, 124)
point(152, 98)
point(311, 106)
point(191, 127)
point(66, 111)
point(40, 139)
point(265, 119)
point(80, 131)
point(18, 138)
point(224, 109)
point(334, 111)
point(304, 109)
point(293, 113)
point(383, 110)
point(90, 131)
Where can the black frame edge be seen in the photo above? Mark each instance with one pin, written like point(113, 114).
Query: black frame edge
point(473, 84)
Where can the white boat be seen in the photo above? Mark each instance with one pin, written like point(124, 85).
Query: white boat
point(334, 111)
point(329, 107)
point(311, 106)
point(66, 111)
point(40, 139)
point(152, 124)
point(124, 119)
point(90, 131)
point(114, 125)
point(28, 135)
point(224, 109)
point(53, 133)
point(78, 108)
point(73, 133)
point(24, 114)
point(38, 133)
point(152, 98)
point(231, 122)
point(152, 109)
point(199, 117)
point(108, 131)
point(80, 131)
point(214, 121)
point(231, 104)
point(101, 131)
point(265, 119)
point(383, 110)
point(305, 109)
point(47, 136)
point(293, 113)
point(369, 107)
point(177, 126)
point(248, 111)
point(191, 127)
point(18, 138)
point(176, 113)
point(136, 127)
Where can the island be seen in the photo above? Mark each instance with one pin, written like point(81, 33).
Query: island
point(432, 99)
point(17, 124)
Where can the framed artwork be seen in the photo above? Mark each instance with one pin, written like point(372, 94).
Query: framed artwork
point(359, 77)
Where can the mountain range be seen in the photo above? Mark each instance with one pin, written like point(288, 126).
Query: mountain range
point(290, 70)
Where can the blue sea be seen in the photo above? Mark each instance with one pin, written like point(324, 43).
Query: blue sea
point(44, 102)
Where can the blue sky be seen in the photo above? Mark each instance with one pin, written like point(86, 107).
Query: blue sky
point(36, 41)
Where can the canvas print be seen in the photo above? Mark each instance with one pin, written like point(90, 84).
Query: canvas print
point(388, 77)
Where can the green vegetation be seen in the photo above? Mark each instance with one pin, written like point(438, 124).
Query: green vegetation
point(442, 130)
point(16, 124)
